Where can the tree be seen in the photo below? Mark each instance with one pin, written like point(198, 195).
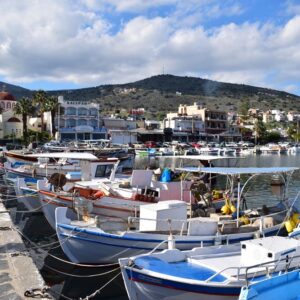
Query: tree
point(25, 108)
point(294, 132)
point(243, 110)
point(260, 130)
point(53, 106)
point(273, 137)
point(40, 98)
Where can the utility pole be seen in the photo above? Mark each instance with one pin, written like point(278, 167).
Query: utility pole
point(297, 130)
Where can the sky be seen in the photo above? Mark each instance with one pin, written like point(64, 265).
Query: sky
point(67, 44)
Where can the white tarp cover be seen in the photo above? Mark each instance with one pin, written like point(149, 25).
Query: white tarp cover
point(237, 171)
point(201, 157)
point(69, 155)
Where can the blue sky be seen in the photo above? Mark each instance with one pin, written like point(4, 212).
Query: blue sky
point(66, 44)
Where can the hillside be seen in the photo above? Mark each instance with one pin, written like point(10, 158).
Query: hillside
point(15, 90)
point(163, 93)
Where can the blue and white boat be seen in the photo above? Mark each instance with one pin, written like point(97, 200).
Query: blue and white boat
point(202, 273)
point(284, 287)
point(110, 243)
point(63, 163)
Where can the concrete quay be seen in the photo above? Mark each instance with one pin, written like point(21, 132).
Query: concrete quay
point(19, 276)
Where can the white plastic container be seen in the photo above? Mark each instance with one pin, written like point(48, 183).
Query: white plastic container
point(163, 215)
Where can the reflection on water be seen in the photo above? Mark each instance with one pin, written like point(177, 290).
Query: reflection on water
point(258, 192)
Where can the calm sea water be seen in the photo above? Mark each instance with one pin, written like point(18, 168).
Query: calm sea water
point(74, 282)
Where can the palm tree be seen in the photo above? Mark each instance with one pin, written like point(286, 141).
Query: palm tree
point(53, 106)
point(40, 98)
point(25, 108)
point(260, 130)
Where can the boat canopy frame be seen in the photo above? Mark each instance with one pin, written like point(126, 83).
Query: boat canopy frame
point(233, 173)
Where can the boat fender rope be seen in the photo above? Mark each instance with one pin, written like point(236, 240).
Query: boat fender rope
point(19, 253)
point(38, 293)
point(2, 228)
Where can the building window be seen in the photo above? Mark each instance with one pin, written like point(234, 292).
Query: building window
point(81, 122)
point(93, 112)
point(71, 123)
point(93, 123)
point(8, 105)
point(82, 111)
point(71, 111)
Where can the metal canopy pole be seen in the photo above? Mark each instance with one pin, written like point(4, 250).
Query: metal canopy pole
point(238, 200)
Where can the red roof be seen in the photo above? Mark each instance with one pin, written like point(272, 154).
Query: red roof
point(7, 96)
point(13, 119)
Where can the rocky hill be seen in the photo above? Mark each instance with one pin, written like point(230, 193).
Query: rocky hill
point(163, 93)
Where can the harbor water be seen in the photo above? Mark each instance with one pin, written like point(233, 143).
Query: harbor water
point(68, 281)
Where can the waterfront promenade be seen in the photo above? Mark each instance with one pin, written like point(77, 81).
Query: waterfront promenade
point(19, 276)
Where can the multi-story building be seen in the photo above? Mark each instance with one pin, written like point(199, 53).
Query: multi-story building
point(195, 120)
point(79, 120)
point(293, 116)
point(215, 122)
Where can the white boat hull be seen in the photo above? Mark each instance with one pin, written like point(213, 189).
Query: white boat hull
point(93, 245)
point(141, 286)
point(28, 196)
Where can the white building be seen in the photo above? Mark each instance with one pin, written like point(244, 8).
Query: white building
point(7, 101)
point(11, 125)
point(115, 123)
point(79, 120)
point(123, 136)
point(185, 124)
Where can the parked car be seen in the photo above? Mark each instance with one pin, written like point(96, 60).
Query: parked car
point(150, 144)
point(248, 144)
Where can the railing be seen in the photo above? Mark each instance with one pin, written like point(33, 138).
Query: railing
point(267, 268)
point(286, 261)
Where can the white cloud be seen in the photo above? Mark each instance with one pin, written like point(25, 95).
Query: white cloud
point(62, 41)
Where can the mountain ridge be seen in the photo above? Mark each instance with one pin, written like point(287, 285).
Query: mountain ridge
point(162, 93)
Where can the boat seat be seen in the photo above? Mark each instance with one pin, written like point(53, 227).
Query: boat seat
point(219, 217)
point(230, 228)
point(248, 228)
point(172, 256)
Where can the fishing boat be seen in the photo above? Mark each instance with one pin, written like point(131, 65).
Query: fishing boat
point(19, 156)
point(118, 195)
point(157, 221)
point(25, 189)
point(90, 168)
point(204, 273)
point(48, 164)
point(285, 286)
point(208, 150)
point(115, 196)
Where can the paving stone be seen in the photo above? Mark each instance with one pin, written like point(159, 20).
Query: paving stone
point(5, 288)
point(12, 296)
point(4, 277)
point(3, 264)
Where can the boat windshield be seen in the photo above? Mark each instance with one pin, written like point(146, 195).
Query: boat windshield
point(103, 170)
